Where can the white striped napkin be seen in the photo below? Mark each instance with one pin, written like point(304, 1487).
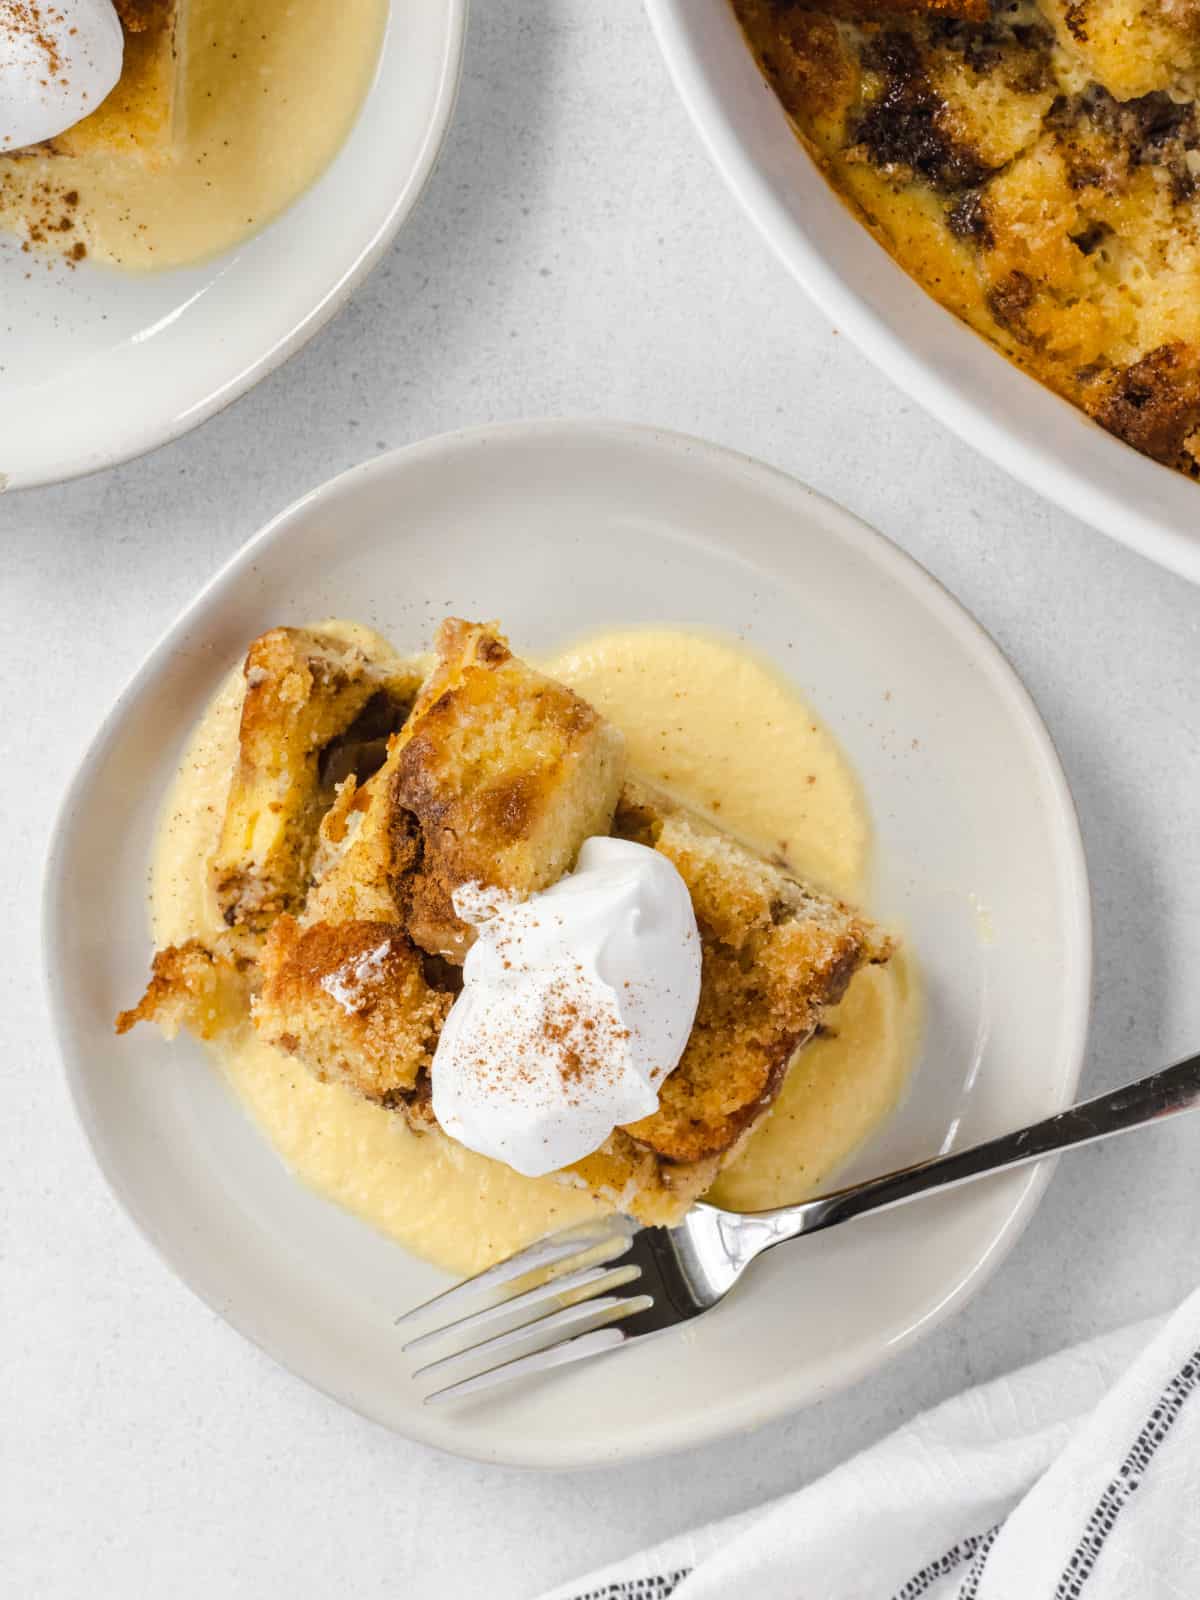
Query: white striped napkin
point(1074, 1479)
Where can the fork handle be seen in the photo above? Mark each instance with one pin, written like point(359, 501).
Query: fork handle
point(1162, 1094)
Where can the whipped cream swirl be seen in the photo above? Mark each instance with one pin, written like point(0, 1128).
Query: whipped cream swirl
point(58, 60)
point(576, 1004)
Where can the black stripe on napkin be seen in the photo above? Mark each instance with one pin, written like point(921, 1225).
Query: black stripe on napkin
point(658, 1587)
point(1128, 1479)
point(970, 1584)
point(922, 1581)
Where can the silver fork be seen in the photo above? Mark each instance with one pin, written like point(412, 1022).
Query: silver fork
point(604, 1284)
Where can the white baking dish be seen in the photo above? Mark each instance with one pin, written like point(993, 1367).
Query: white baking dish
point(950, 370)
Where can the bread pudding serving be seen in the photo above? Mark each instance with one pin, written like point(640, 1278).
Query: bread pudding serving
point(1033, 164)
point(152, 133)
point(441, 889)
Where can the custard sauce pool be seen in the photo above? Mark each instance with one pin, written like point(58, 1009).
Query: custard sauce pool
point(715, 725)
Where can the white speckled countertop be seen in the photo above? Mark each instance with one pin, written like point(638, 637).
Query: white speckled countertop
point(574, 254)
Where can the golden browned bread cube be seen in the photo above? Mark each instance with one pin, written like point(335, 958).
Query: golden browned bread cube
point(351, 1001)
point(497, 778)
point(138, 118)
point(306, 692)
point(356, 868)
point(192, 986)
point(1130, 47)
point(502, 776)
point(776, 955)
point(1154, 404)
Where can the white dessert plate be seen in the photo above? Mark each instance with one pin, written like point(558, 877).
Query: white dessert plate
point(97, 366)
point(951, 371)
point(562, 528)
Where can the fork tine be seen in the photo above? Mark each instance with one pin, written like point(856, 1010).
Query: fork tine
point(566, 1320)
point(594, 1342)
point(543, 1254)
point(553, 1286)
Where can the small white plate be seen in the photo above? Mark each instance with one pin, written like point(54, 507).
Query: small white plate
point(561, 528)
point(1030, 431)
point(98, 366)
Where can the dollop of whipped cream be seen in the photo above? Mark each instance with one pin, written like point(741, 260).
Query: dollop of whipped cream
point(576, 1004)
point(58, 61)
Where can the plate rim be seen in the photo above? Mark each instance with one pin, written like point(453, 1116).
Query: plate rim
point(331, 300)
point(1041, 469)
point(674, 1434)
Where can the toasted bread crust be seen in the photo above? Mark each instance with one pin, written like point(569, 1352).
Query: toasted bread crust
point(1154, 404)
point(304, 690)
point(137, 120)
point(775, 955)
point(206, 990)
point(497, 777)
point(351, 1001)
point(502, 776)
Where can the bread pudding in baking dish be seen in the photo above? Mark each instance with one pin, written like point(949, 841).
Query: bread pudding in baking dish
point(374, 802)
point(1034, 167)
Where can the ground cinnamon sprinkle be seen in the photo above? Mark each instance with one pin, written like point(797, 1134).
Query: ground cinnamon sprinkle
point(51, 217)
point(50, 212)
point(28, 19)
point(585, 1044)
point(578, 1040)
